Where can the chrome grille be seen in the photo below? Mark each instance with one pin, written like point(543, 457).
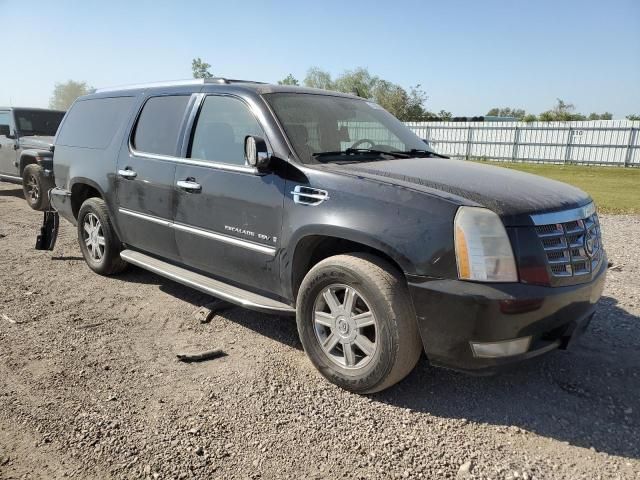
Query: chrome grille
point(572, 248)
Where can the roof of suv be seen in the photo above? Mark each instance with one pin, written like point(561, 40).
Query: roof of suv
point(258, 87)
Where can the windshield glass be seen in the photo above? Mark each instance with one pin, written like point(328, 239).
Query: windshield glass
point(37, 122)
point(329, 128)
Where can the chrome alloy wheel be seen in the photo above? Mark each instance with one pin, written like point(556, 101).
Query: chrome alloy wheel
point(345, 326)
point(93, 236)
point(33, 191)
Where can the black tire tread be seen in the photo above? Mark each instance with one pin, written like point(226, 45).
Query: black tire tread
point(45, 184)
point(114, 264)
point(391, 286)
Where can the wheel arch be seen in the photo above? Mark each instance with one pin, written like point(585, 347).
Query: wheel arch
point(314, 245)
point(82, 189)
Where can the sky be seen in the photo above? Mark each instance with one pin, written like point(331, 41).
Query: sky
point(468, 56)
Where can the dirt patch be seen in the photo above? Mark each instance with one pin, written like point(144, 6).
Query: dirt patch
point(90, 386)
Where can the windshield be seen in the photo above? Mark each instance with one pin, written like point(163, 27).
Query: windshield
point(37, 122)
point(325, 128)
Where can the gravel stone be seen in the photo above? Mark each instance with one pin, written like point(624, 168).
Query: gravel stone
point(263, 411)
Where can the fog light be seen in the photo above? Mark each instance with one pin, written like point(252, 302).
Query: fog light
point(501, 349)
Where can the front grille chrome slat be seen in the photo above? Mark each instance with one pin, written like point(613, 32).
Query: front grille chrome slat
point(572, 248)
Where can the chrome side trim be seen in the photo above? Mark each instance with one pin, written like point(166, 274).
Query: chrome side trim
point(144, 216)
point(225, 238)
point(564, 215)
point(196, 162)
point(202, 232)
point(10, 177)
point(308, 195)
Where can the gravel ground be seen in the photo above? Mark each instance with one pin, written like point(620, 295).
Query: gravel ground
point(90, 386)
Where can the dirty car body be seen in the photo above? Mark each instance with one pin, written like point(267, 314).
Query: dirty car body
point(343, 176)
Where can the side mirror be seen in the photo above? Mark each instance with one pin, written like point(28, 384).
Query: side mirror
point(5, 131)
point(256, 153)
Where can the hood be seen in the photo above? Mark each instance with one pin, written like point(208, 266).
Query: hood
point(511, 194)
point(36, 142)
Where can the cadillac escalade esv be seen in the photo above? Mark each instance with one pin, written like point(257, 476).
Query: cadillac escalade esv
point(323, 205)
point(26, 138)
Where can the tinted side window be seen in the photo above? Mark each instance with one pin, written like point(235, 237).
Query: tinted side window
point(93, 123)
point(5, 118)
point(223, 124)
point(159, 124)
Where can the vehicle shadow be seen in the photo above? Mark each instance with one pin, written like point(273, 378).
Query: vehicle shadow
point(276, 327)
point(12, 192)
point(587, 396)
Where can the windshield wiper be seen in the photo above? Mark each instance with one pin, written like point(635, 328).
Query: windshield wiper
point(420, 152)
point(359, 151)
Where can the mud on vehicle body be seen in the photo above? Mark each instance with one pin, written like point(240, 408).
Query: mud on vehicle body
point(26, 153)
point(323, 205)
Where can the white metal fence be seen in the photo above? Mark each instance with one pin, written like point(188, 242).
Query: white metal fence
point(598, 142)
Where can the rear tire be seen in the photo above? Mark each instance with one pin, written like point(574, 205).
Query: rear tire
point(36, 186)
point(98, 241)
point(357, 323)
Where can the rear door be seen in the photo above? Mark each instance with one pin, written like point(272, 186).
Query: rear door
point(228, 215)
point(8, 153)
point(145, 175)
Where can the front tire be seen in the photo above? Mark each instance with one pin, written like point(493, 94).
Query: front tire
point(36, 186)
point(357, 324)
point(99, 243)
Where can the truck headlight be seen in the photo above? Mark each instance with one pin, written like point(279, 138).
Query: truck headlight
point(483, 249)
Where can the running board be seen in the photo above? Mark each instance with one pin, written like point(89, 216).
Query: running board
point(207, 285)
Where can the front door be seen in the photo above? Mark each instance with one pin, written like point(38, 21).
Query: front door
point(145, 176)
point(8, 153)
point(228, 215)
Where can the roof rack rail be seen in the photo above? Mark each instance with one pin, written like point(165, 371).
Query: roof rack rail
point(175, 83)
point(229, 80)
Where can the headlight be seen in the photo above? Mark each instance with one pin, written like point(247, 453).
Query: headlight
point(483, 250)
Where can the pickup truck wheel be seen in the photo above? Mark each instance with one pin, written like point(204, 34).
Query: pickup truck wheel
point(36, 186)
point(99, 243)
point(357, 324)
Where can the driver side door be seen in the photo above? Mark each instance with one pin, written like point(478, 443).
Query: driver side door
point(8, 153)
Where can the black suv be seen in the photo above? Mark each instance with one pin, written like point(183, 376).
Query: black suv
point(26, 138)
point(298, 201)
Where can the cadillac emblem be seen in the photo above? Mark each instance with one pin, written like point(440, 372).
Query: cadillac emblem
point(589, 242)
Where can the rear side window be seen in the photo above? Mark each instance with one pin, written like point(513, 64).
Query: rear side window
point(159, 124)
point(93, 123)
point(223, 124)
point(5, 118)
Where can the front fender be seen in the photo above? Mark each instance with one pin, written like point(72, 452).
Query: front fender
point(33, 155)
point(345, 233)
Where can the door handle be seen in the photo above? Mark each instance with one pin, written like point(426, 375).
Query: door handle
point(189, 185)
point(127, 173)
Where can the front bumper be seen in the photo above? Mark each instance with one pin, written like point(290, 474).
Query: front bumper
point(452, 313)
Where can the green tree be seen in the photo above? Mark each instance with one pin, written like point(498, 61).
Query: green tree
point(444, 115)
point(357, 82)
point(633, 117)
point(528, 118)
point(517, 113)
point(317, 78)
point(403, 104)
point(200, 69)
point(600, 116)
point(288, 80)
point(64, 94)
point(561, 112)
